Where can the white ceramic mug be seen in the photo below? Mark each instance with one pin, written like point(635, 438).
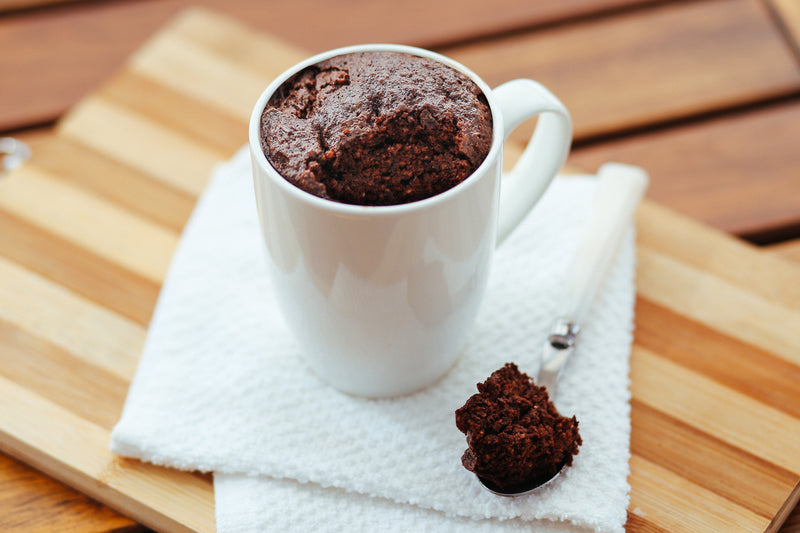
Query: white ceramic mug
point(382, 298)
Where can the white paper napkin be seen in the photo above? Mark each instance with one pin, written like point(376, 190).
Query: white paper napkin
point(250, 504)
point(220, 387)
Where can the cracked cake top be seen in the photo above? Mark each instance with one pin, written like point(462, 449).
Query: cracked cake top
point(377, 128)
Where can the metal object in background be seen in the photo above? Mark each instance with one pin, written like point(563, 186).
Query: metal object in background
point(12, 154)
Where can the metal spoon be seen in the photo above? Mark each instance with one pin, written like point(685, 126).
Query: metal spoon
point(619, 190)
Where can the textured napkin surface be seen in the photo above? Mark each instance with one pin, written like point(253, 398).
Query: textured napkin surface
point(221, 386)
point(247, 504)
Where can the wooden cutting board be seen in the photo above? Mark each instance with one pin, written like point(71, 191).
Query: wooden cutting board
point(88, 228)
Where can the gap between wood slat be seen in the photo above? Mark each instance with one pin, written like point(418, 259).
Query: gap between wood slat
point(738, 172)
point(648, 67)
point(27, 7)
point(789, 250)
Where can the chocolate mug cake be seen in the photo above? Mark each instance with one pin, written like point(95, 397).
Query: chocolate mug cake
point(377, 128)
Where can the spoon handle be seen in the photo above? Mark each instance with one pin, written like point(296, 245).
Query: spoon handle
point(619, 190)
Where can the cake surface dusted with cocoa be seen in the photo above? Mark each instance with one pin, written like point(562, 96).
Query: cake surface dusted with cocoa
point(516, 437)
point(377, 128)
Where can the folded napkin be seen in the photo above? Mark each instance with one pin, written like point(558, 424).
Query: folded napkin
point(221, 387)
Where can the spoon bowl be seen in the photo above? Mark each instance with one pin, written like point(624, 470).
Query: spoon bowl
point(520, 490)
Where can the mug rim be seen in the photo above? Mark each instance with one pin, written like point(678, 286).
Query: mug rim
point(260, 159)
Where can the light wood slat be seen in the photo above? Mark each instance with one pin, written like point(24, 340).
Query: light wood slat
point(89, 391)
point(789, 13)
point(139, 193)
point(141, 144)
point(33, 502)
point(707, 461)
point(82, 218)
point(30, 500)
point(176, 111)
point(739, 173)
point(718, 304)
point(704, 404)
point(732, 260)
point(82, 328)
point(639, 68)
point(745, 368)
point(185, 67)
point(789, 250)
point(657, 497)
point(77, 450)
point(87, 274)
point(229, 41)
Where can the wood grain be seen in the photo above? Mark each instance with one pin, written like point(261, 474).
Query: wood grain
point(136, 139)
point(611, 74)
point(657, 435)
point(769, 277)
point(789, 249)
point(745, 368)
point(82, 218)
point(77, 269)
point(81, 166)
point(788, 13)
point(739, 173)
point(33, 502)
point(62, 55)
point(613, 58)
point(13, 5)
point(640, 68)
point(78, 450)
point(658, 506)
point(740, 298)
point(30, 500)
point(712, 449)
point(69, 321)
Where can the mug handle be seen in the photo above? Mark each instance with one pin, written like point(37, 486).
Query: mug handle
point(543, 156)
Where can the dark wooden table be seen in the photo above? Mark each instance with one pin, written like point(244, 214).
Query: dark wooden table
point(704, 94)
